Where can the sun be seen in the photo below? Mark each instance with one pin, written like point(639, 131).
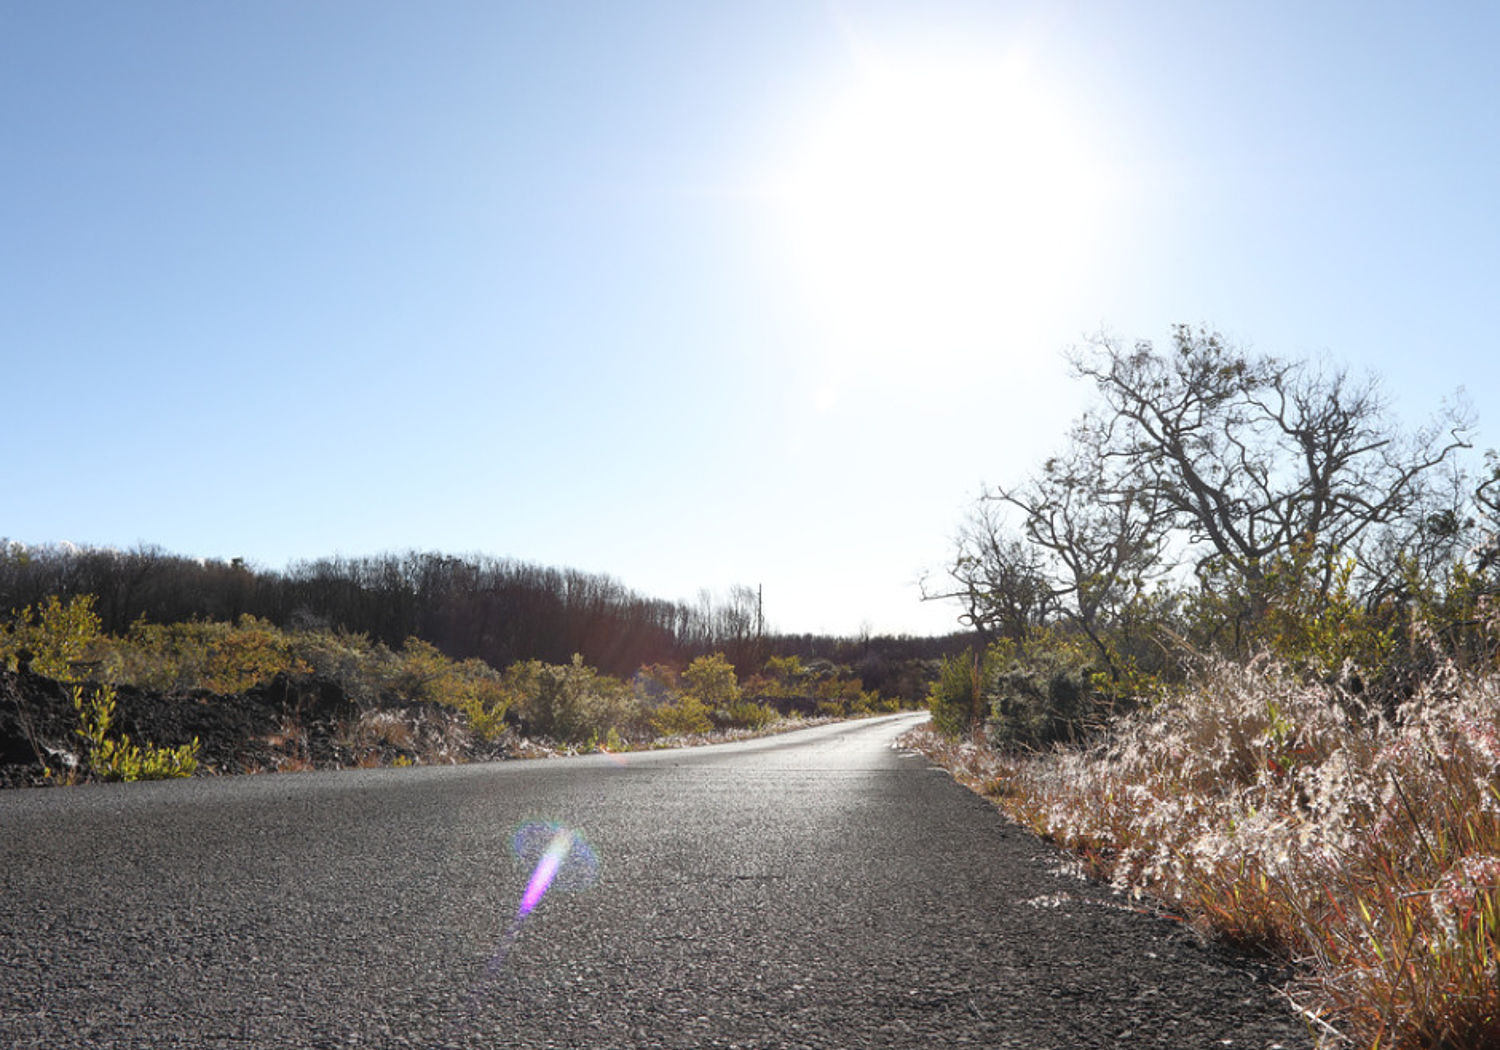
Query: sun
point(930, 209)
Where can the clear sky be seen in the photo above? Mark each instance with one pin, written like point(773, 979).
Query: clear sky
point(700, 293)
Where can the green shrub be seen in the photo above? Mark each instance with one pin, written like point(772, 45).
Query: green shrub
point(116, 758)
point(247, 654)
point(746, 714)
point(712, 680)
point(687, 716)
point(52, 638)
point(1321, 631)
point(475, 689)
point(787, 678)
point(471, 686)
point(365, 670)
point(570, 702)
point(1052, 694)
point(957, 697)
point(215, 655)
point(782, 678)
point(1051, 697)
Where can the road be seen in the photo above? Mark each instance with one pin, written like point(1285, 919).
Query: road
point(816, 889)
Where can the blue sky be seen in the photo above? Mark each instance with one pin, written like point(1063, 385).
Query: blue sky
point(693, 294)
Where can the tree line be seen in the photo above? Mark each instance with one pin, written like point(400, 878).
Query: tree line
point(498, 610)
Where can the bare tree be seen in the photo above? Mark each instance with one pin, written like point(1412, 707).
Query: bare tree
point(1486, 548)
point(1253, 457)
point(1212, 459)
point(1100, 524)
point(999, 579)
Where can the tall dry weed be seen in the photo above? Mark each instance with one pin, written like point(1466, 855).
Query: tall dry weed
point(1291, 818)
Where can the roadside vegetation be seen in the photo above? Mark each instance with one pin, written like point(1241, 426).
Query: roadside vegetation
point(401, 657)
point(402, 705)
point(1239, 649)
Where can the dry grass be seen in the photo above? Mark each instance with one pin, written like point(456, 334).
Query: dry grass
point(289, 746)
point(1287, 818)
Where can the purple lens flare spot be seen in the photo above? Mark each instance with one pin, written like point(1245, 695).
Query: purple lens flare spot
point(560, 858)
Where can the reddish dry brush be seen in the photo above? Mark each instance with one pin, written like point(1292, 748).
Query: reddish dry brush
point(1291, 819)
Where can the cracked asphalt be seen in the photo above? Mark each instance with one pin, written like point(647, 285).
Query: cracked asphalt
point(816, 889)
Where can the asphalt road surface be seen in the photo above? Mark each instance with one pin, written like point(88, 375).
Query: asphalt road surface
point(817, 889)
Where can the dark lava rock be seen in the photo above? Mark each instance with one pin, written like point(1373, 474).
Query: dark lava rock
point(285, 723)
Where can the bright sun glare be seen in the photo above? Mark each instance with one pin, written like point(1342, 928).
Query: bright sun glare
point(934, 212)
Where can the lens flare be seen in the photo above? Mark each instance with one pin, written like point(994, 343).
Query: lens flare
point(545, 871)
point(559, 858)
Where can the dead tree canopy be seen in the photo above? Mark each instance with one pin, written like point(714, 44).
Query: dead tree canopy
point(1207, 457)
point(1252, 456)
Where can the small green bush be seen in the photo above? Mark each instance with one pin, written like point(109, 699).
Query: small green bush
point(365, 670)
point(957, 699)
point(782, 678)
point(748, 715)
point(471, 686)
point(116, 758)
point(1049, 698)
point(51, 638)
point(219, 656)
point(712, 680)
point(687, 716)
point(570, 702)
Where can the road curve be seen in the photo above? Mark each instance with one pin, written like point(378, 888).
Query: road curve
point(817, 889)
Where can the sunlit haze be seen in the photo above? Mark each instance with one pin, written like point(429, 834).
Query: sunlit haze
point(695, 295)
point(932, 211)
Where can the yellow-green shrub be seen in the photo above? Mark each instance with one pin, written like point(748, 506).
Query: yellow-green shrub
point(471, 686)
point(203, 654)
point(687, 716)
point(570, 702)
point(364, 669)
point(251, 652)
point(746, 714)
point(782, 678)
point(55, 636)
point(957, 700)
point(1322, 631)
point(115, 758)
point(712, 680)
